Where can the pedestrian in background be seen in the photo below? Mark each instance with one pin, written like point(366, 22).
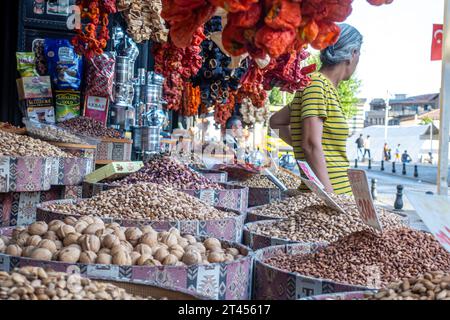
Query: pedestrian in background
point(367, 148)
point(386, 152)
point(406, 158)
point(360, 147)
point(397, 154)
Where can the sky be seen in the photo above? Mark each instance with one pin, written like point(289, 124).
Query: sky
point(395, 57)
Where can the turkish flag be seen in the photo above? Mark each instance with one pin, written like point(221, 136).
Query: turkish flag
point(436, 44)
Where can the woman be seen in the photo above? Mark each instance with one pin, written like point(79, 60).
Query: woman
point(314, 123)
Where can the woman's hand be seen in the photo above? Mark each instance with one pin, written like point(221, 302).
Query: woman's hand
point(312, 131)
point(281, 121)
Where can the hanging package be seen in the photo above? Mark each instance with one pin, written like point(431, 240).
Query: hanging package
point(64, 65)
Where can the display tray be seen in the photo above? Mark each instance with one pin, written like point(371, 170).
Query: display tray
point(222, 281)
point(19, 208)
point(157, 292)
point(19, 131)
point(261, 196)
point(71, 171)
point(231, 197)
point(214, 175)
point(271, 283)
point(252, 216)
point(357, 295)
point(257, 241)
point(110, 149)
point(25, 174)
point(227, 229)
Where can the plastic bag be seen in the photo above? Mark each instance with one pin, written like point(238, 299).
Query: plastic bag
point(64, 65)
point(26, 65)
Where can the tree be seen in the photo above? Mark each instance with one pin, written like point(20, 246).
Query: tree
point(347, 90)
point(276, 97)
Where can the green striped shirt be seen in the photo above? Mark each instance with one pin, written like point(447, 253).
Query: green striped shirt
point(321, 99)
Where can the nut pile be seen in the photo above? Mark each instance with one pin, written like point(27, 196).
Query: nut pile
point(143, 201)
point(33, 283)
point(53, 133)
point(261, 181)
point(363, 258)
point(169, 172)
point(431, 286)
point(14, 145)
point(89, 240)
point(319, 223)
point(89, 127)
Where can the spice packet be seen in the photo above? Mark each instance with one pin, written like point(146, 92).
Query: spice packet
point(26, 64)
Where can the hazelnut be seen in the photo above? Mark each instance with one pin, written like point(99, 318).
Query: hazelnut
point(88, 257)
point(71, 238)
point(175, 232)
point(64, 230)
point(228, 258)
point(76, 246)
point(48, 244)
point(134, 257)
point(95, 228)
point(133, 235)
point(90, 242)
point(16, 231)
point(112, 225)
point(69, 254)
point(143, 249)
point(71, 221)
point(149, 238)
point(26, 252)
point(50, 235)
point(41, 254)
point(98, 220)
point(212, 243)
point(177, 251)
point(54, 225)
point(14, 250)
point(170, 260)
point(122, 258)
point(33, 241)
point(196, 246)
point(216, 257)
point(192, 257)
point(37, 228)
point(161, 254)
point(104, 258)
point(126, 245)
point(110, 240)
point(162, 235)
point(5, 240)
point(120, 234)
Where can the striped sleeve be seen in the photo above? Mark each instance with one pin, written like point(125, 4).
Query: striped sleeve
point(313, 101)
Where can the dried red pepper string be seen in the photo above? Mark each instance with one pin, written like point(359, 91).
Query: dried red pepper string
point(89, 42)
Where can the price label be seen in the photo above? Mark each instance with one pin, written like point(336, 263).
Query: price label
point(435, 214)
point(322, 194)
point(363, 197)
point(306, 169)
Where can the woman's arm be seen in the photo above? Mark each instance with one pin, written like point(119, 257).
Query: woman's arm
point(281, 121)
point(312, 130)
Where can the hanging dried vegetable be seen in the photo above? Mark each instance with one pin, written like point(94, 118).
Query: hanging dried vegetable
point(144, 20)
point(252, 86)
point(178, 65)
point(92, 39)
point(287, 72)
point(215, 78)
point(224, 111)
point(191, 100)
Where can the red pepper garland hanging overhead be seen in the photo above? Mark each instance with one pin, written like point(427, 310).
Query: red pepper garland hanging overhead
point(178, 65)
point(92, 39)
point(272, 27)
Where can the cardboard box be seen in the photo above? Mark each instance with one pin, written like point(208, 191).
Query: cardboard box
point(114, 170)
point(67, 104)
point(34, 87)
